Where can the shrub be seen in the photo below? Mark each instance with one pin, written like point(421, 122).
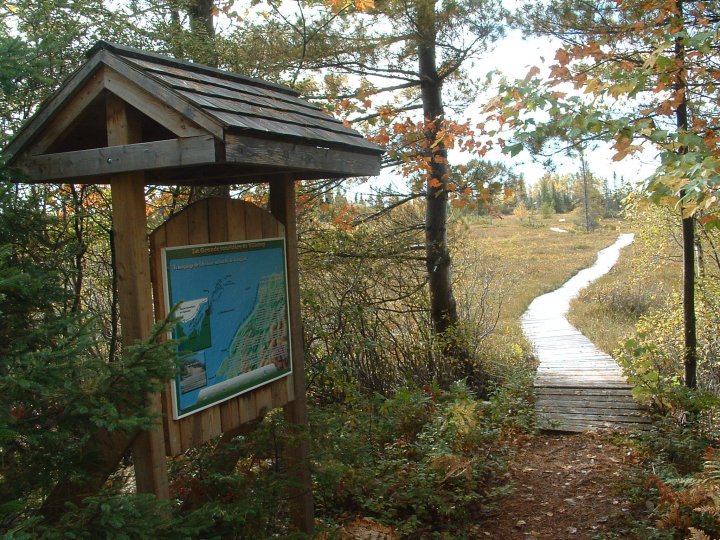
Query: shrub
point(546, 210)
point(366, 308)
point(56, 392)
point(421, 461)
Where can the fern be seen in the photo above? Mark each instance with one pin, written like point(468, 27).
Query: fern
point(693, 503)
point(696, 534)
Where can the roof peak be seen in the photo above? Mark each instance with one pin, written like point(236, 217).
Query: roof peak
point(130, 52)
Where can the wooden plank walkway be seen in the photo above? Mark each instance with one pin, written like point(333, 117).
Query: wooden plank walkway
point(578, 387)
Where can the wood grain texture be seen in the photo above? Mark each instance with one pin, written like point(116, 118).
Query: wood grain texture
point(578, 387)
point(282, 206)
point(145, 86)
point(134, 289)
point(214, 220)
point(303, 157)
point(97, 162)
point(242, 104)
point(152, 105)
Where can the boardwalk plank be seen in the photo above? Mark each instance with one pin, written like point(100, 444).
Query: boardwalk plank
point(579, 427)
point(578, 386)
point(589, 410)
point(564, 403)
point(627, 391)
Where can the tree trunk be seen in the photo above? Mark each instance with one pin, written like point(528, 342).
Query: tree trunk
point(688, 223)
point(102, 453)
point(690, 353)
point(699, 258)
point(201, 15)
point(586, 195)
point(442, 300)
point(203, 24)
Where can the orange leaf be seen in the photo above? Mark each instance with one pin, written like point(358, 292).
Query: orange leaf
point(530, 74)
point(434, 183)
point(364, 5)
point(562, 56)
point(710, 218)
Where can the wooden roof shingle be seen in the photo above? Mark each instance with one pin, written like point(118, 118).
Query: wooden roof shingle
point(252, 122)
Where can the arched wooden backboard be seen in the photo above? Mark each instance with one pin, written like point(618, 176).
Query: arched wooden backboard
point(212, 221)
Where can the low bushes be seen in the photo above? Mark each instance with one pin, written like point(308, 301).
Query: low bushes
point(424, 462)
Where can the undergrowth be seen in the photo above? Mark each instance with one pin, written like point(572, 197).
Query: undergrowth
point(424, 463)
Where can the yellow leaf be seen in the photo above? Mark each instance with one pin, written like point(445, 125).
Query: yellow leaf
point(364, 5)
point(592, 85)
point(12, 7)
point(689, 211)
point(697, 534)
point(336, 5)
point(494, 103)
point(617, 90)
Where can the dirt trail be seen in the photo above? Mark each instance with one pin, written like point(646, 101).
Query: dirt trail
point(565, 486)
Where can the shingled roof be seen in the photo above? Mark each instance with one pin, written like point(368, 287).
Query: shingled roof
point(199, 125)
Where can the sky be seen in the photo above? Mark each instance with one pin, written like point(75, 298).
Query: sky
point(513, 56)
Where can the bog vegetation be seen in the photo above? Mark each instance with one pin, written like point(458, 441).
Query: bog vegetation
point(414, 398)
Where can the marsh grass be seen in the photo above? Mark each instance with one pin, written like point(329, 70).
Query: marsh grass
point(644, 278)
point(529, 261)
point(515, 263)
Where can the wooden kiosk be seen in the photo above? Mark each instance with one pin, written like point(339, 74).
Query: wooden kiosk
point(130, 118)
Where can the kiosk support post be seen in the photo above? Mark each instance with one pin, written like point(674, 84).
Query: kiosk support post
point(282, 206)
point(134, 286)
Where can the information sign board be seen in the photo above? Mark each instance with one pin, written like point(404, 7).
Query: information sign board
point(231, 306)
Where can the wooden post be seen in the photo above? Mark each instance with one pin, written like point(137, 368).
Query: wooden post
point(134, 289)
point(282, 206)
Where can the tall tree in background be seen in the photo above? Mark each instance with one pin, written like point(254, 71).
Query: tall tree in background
point(649, 70)
point(585, 182)
point(410, 56)
point(494, 185)
point(389, 68)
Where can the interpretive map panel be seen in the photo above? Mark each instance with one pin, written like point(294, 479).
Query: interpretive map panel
point(232, 317)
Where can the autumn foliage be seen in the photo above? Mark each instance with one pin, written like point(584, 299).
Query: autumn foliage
point(621, 77)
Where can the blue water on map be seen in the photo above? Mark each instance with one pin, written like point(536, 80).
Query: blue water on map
point(231, 289)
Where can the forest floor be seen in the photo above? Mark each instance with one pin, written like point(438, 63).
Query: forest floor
point(565, 486)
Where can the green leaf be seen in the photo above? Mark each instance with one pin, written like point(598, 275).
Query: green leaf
point(513, 149)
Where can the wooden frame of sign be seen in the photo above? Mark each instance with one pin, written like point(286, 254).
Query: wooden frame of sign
point(215, 221)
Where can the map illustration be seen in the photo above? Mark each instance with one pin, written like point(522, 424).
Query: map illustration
point(232, 319)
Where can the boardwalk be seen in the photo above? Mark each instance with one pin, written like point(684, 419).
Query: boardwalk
point(578, 386)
